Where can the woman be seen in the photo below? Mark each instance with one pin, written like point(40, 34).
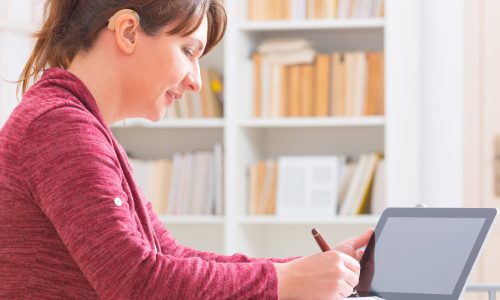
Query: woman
point(72, 221)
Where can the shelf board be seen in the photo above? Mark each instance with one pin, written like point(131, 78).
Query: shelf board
point(339, 24)
point(315, 122)
point(172, 123)
point(192, 220)
point(334, 220)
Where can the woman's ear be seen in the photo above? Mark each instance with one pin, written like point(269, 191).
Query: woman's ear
point(126, 27)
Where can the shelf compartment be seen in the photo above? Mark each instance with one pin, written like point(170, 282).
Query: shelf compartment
point(160, 143)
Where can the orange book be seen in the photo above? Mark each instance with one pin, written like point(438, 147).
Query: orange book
point(257, 62)
point(295, 97)
point(284, 9)
point(261, 178)
point(252, 10)
point(321, 81)
point(319, 9)
point(252, 188)
point(271, 201)
point(374, 100)
point(285, 91)
point(338, 85)
point(307, 96)
point(273, 9)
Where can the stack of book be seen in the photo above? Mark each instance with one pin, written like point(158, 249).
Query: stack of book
point(292, 80)
point(313, 9)
point(207, 103)
point(188, 184)
point(315, 186)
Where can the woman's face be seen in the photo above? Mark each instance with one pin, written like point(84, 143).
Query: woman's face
point(166, 66)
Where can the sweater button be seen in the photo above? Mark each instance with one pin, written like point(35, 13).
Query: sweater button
point(118, 201)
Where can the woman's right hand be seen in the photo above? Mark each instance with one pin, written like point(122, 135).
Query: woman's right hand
point(327, 275)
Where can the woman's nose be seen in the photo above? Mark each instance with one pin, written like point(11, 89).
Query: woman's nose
point(193, 80)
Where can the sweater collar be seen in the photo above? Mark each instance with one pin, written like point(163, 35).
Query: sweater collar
point(74, 85)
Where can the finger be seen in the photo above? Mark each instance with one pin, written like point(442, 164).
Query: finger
point(359, 254)
point(362, 239)
point(351, 278)
point(351, 263)
point(345, 289)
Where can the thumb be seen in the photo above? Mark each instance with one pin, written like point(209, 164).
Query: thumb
point(362, 239)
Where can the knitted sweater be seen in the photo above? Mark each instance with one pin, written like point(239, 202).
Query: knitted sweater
point(74, 224)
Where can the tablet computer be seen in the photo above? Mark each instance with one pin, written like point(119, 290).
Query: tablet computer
point(423, 253)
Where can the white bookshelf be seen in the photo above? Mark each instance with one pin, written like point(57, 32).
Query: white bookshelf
point(250, 139)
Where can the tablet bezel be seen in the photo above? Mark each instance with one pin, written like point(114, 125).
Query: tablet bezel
point(488, 214)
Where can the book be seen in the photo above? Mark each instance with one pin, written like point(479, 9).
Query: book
point(321, 81)
point(266, 194)
point(306, 104)
point(346, 175)
point(359, 83)
point(378, 201)
point(356, 200)
point(302, 56)
point(338, 85)
point(257, 186)
point(308, 185)
point(161, 183)
point(217, 206)
point(174, 196)
point(295, 91)
point(374, 98)
point(257, 62)
point(283, 45)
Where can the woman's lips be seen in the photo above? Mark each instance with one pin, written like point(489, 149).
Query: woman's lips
point(170, 97)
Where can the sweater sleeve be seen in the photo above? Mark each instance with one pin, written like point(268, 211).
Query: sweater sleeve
point(170, 245)
point(73, 173)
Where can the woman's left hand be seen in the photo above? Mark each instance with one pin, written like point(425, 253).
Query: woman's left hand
point(352, 246)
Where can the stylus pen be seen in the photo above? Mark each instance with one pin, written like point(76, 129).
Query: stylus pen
point(320, 240)
point(324, 247)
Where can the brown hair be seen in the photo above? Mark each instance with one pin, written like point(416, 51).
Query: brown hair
point(73, 25)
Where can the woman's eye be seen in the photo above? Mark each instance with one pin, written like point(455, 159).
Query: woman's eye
point(188, 52)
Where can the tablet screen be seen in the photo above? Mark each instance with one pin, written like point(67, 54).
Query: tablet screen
point(419, 255)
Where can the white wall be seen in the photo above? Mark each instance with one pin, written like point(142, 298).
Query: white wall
point(17, 21)
point(442, 108)
point(427, 46)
